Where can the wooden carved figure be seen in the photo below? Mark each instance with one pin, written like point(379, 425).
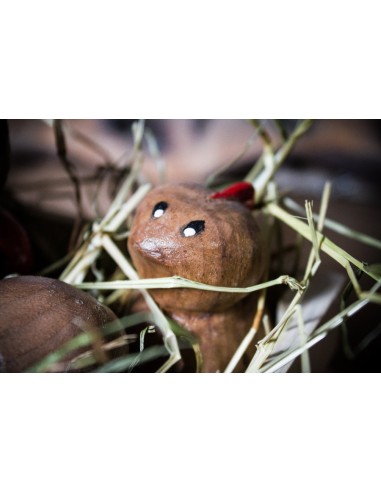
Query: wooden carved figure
point(210, 238)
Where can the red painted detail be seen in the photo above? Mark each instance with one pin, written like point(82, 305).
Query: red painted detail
point(242, 192)
point(16, 255)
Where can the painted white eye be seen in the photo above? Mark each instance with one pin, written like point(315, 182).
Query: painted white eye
point(189, 231)
point(159, 209)
point(193, 228)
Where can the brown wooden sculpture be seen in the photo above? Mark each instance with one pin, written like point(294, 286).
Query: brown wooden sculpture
point(38, 315)
point(211, 238)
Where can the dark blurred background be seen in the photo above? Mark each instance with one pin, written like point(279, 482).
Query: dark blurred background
point(37, 192)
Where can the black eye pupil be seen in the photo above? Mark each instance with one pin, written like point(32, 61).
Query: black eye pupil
point(159, 209)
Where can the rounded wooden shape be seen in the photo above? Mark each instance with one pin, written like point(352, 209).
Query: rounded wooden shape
point(209, 240)
point(38, 315)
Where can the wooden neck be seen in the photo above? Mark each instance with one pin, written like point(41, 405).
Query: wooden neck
point(220, 334)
